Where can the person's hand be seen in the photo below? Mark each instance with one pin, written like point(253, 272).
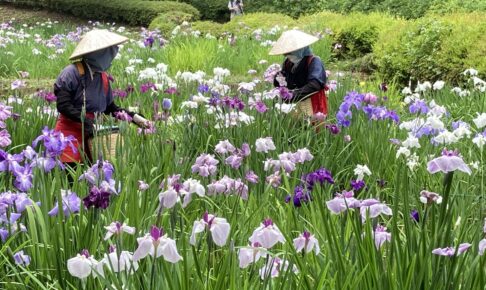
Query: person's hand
point(140, 120)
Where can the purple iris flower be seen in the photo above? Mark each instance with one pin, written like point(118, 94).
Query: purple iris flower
point(205, 165)
point(149, 41)
point(21, 259)
point(301, 196)
point(23, 177)
point(284, 93)
point(100, 171)
point(3, 234)
point(118, 93)
point(70, 204)
point(5, 138)
point(451, 251)
point(146, 87)
point(334, 129)
point(415, 215)
point(237, 104)
point(214, 101)
point(166, 104)
point(260, 107)
point(419, 106)
point(202, 88)
point(9, 161)
point(250, 176)
point(5, 112)
point(45, 163)
point(54, 142)
point(97, 198)
point(357, 184)
point(321, 175)
point(448, 162)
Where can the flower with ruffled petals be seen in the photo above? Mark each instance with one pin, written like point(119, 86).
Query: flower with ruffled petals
point(306, 242)
point(250, 254)
point(21, 259)
point(117, 228)
point(428, 197)
point(342, 201)
point(142, 185)
point(448, 162)
point(267, 235)
point(121, 263)
point(70, 204)
point(157, 244)
point(380, 235)
point(224, 147)
point(361, 171)
point(451, 251)
point(218, 227)
point(373, 208)
point(264, 145)
point(205, 165)
point(84, 265)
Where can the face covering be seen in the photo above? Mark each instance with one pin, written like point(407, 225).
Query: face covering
point(296, 56)
point(100, 60)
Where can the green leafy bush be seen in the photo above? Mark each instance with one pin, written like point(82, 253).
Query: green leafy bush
point(433, 48)
point(214, 28)
point(166, 22)
point(131, 12)
point(245, 24)
point(216, 10)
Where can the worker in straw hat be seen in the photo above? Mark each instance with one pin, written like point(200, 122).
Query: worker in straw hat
point(302, 72)
point(83, 89)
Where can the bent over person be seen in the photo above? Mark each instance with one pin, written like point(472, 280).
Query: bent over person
point(303, 72)
point(83, 89)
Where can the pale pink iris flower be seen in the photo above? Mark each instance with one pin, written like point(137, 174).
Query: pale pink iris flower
point(306, 242)
point(157, 244)
point(218, 227)
point(267, 235)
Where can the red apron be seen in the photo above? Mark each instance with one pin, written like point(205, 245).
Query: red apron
point(69, 127)
point(319, 102)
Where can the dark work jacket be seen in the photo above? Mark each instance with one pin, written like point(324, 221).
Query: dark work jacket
point(69, 92)
point(306, 78)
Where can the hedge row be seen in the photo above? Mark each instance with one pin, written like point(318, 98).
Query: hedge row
point(430, 48)
point(132, 12)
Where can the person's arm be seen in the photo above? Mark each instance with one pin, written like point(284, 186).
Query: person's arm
point(64, 89)
point(316, 81)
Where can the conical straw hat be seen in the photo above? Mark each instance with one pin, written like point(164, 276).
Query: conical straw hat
point(292, 40)
point(95, 40)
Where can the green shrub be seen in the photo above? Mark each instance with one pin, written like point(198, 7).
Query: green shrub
point(214, 28)
point(245, 24)
point(215, 10)
point(433, 48)
point(131, 12)
point(166, 22)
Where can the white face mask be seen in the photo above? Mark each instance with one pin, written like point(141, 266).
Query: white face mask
point(293, 58)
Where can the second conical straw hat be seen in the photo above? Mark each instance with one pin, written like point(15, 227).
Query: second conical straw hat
point(95, 40)
point(292, 40)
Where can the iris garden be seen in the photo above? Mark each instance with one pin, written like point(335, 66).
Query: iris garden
point(228, 187)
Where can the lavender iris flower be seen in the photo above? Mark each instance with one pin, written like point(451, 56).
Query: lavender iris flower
point(23, 177)
point(21, 259)
point(448, 162)
point(70, 204)
point(451, 251)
